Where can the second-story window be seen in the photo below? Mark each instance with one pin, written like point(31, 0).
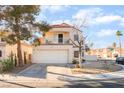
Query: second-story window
point(60, 38)
point(76, 37)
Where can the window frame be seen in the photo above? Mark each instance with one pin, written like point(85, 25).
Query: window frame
point(60, 39)
point(76, 37)
point(76, 54)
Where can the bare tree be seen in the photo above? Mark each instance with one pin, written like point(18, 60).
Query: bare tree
point(80, 40)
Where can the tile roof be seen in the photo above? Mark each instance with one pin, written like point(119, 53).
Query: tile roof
point(62, 25)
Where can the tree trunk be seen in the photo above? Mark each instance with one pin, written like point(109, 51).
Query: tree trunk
point(120, 46)
point(19, 53)
point(80, 57)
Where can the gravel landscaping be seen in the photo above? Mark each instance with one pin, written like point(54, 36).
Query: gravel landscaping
point(97, 68)
point(88, 71)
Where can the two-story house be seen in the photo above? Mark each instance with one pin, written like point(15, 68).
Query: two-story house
point(56, 46)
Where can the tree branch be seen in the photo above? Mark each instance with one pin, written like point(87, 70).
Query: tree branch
point(73, 42)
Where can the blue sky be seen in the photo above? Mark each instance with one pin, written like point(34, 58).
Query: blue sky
point(101, 23)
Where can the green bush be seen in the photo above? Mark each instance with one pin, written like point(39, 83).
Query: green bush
point(75, 62)
point(7, 65)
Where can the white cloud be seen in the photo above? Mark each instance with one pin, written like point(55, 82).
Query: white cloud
point(122, 22)
point(51, 9)
point(95, 16)
point(106, 32)
point(90, 12)
point(108, 19)
point(85, 16)
point(54, 8)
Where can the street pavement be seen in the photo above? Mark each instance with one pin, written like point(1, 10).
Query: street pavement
point(110, 83)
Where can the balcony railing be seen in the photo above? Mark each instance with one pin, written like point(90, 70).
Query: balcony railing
point(56, 41)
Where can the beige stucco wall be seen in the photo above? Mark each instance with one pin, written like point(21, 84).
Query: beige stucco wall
point(68, 33)
point(2, 48)
point(7, 49)
point(75, 32)
point(27, 49)
point(61, 29)
point(53, 36)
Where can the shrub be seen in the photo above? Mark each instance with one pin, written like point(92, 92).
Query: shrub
point(7, 65)
point(77, 66)
point(75, 62)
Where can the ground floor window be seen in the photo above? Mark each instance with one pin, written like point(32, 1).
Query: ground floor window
point(76, 54)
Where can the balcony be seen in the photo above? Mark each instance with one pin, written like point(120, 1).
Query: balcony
point(56, 41)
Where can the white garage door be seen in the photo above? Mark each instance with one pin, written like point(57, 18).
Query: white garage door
point(50, 56)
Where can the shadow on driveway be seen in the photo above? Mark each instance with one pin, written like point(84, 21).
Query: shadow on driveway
point(34, 71)
point(38, 70)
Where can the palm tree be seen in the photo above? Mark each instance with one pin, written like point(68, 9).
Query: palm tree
point(114, 45)
point(119, 34)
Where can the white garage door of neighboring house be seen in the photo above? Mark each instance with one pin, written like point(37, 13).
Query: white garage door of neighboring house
point(50, 56)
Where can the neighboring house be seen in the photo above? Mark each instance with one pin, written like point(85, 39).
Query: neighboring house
point(6, 50)
point(56, 46)
point(106, 53)
point(101, 53)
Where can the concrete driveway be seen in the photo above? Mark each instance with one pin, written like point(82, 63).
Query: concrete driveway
point(49, 72)
point(34, 71)
point(40, 72)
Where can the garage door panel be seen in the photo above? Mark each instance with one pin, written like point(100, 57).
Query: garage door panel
point(51, 56)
